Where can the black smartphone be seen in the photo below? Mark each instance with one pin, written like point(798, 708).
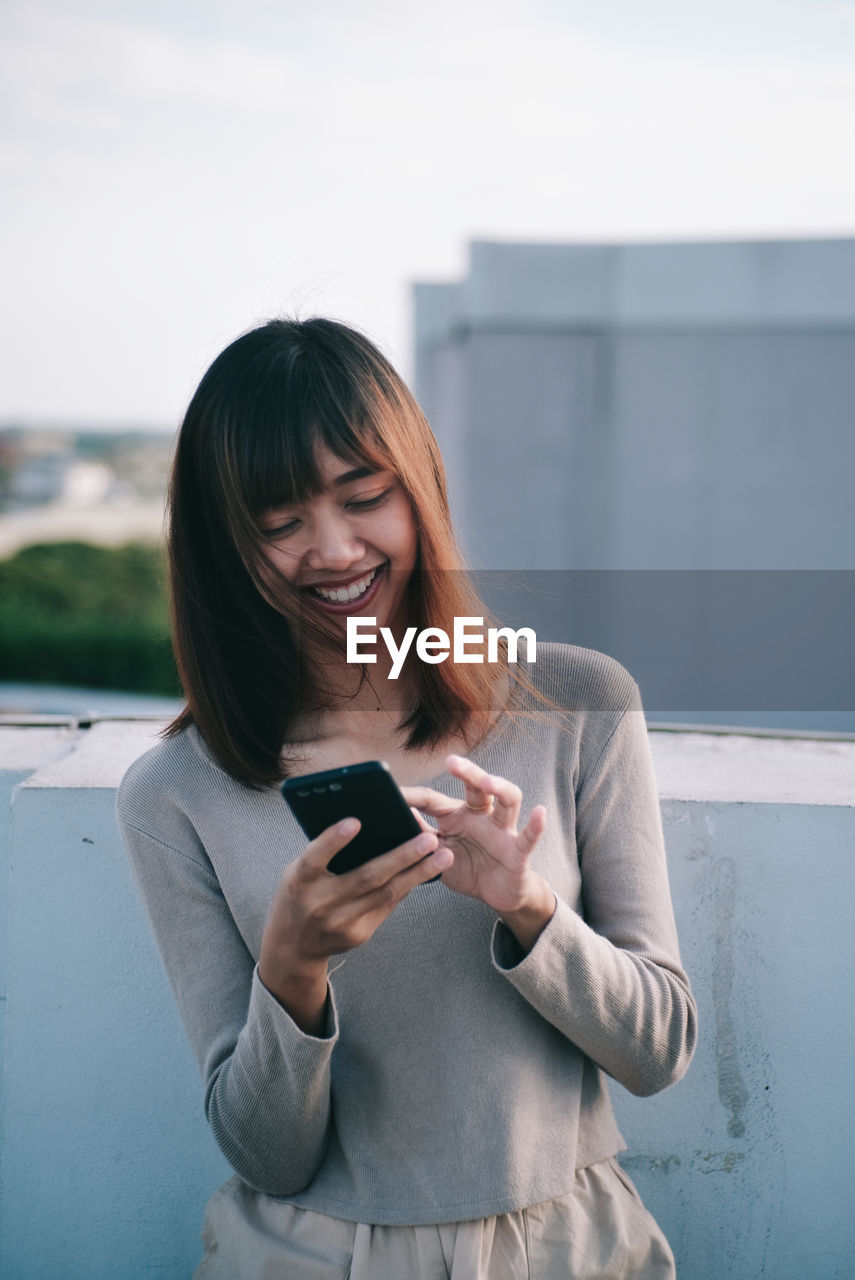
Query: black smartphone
point(366, 791)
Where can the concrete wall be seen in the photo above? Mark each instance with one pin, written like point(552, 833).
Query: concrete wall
point(673, 406)
point(748, 1163)
point(659, 408)
point(20, 755)
point(106, 1160)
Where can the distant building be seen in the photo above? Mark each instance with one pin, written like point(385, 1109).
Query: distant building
point(680, 407)
point(66, 483)
point(647, 405)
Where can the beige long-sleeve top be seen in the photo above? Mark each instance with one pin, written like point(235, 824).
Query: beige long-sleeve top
point(456, 1079)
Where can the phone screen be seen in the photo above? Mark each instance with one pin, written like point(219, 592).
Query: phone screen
point(366, 791)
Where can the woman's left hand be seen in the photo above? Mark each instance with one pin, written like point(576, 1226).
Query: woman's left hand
point(491, 858)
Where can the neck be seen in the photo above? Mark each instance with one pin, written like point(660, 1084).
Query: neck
point(353, 690)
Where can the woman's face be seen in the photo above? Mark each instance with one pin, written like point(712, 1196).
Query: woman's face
point(352, 547)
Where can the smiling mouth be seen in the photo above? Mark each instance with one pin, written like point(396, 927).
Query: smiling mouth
point(350, 597)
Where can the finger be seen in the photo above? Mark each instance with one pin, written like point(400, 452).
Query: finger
point(533, 829)
point(432, 802)
point(508, 801)
point(477, 794)
point(377, 872)
point(319, 851)
point(425, 826)
point(483, 791)
point(387, 896)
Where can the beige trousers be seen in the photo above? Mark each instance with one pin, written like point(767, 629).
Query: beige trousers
point(600, 1230)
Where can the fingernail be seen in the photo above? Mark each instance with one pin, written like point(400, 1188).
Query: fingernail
point(425, 842)
point(443, 859)
point(348, 827)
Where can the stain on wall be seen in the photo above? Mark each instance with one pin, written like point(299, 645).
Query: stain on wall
point(731, 1085)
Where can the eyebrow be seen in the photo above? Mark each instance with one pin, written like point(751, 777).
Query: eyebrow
point(346, 477)
point(357, 473)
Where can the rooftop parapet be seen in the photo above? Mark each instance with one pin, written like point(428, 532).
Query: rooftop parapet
point(102, 1105)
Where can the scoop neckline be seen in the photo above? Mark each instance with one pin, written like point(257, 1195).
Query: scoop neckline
point(498, 728)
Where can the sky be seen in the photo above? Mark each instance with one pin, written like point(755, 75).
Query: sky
point(174, 171)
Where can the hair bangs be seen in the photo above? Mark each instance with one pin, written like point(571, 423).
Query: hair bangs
point(350, 406)
point(276, 440)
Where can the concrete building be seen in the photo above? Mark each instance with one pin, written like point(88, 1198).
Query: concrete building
point(676, 409)
point(649, 406)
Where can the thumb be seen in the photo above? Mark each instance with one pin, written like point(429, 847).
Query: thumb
point(319, 851)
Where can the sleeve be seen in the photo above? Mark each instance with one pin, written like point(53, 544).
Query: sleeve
point(267, 1083)
point(612, 981)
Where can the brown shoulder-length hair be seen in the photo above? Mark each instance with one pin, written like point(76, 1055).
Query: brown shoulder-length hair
point(248, 445)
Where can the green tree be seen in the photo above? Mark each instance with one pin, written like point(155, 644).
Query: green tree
point(71, 613)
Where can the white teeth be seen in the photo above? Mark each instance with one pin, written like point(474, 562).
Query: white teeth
point(339, 595)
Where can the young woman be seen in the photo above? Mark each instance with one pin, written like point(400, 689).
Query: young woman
point(405, 1064)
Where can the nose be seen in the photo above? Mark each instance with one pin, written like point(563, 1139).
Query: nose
point(334, 545)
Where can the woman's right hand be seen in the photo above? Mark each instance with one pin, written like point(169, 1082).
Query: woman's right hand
point(317, 914)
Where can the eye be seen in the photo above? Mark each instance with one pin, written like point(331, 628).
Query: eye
point(279, 530)
point(364, 503)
